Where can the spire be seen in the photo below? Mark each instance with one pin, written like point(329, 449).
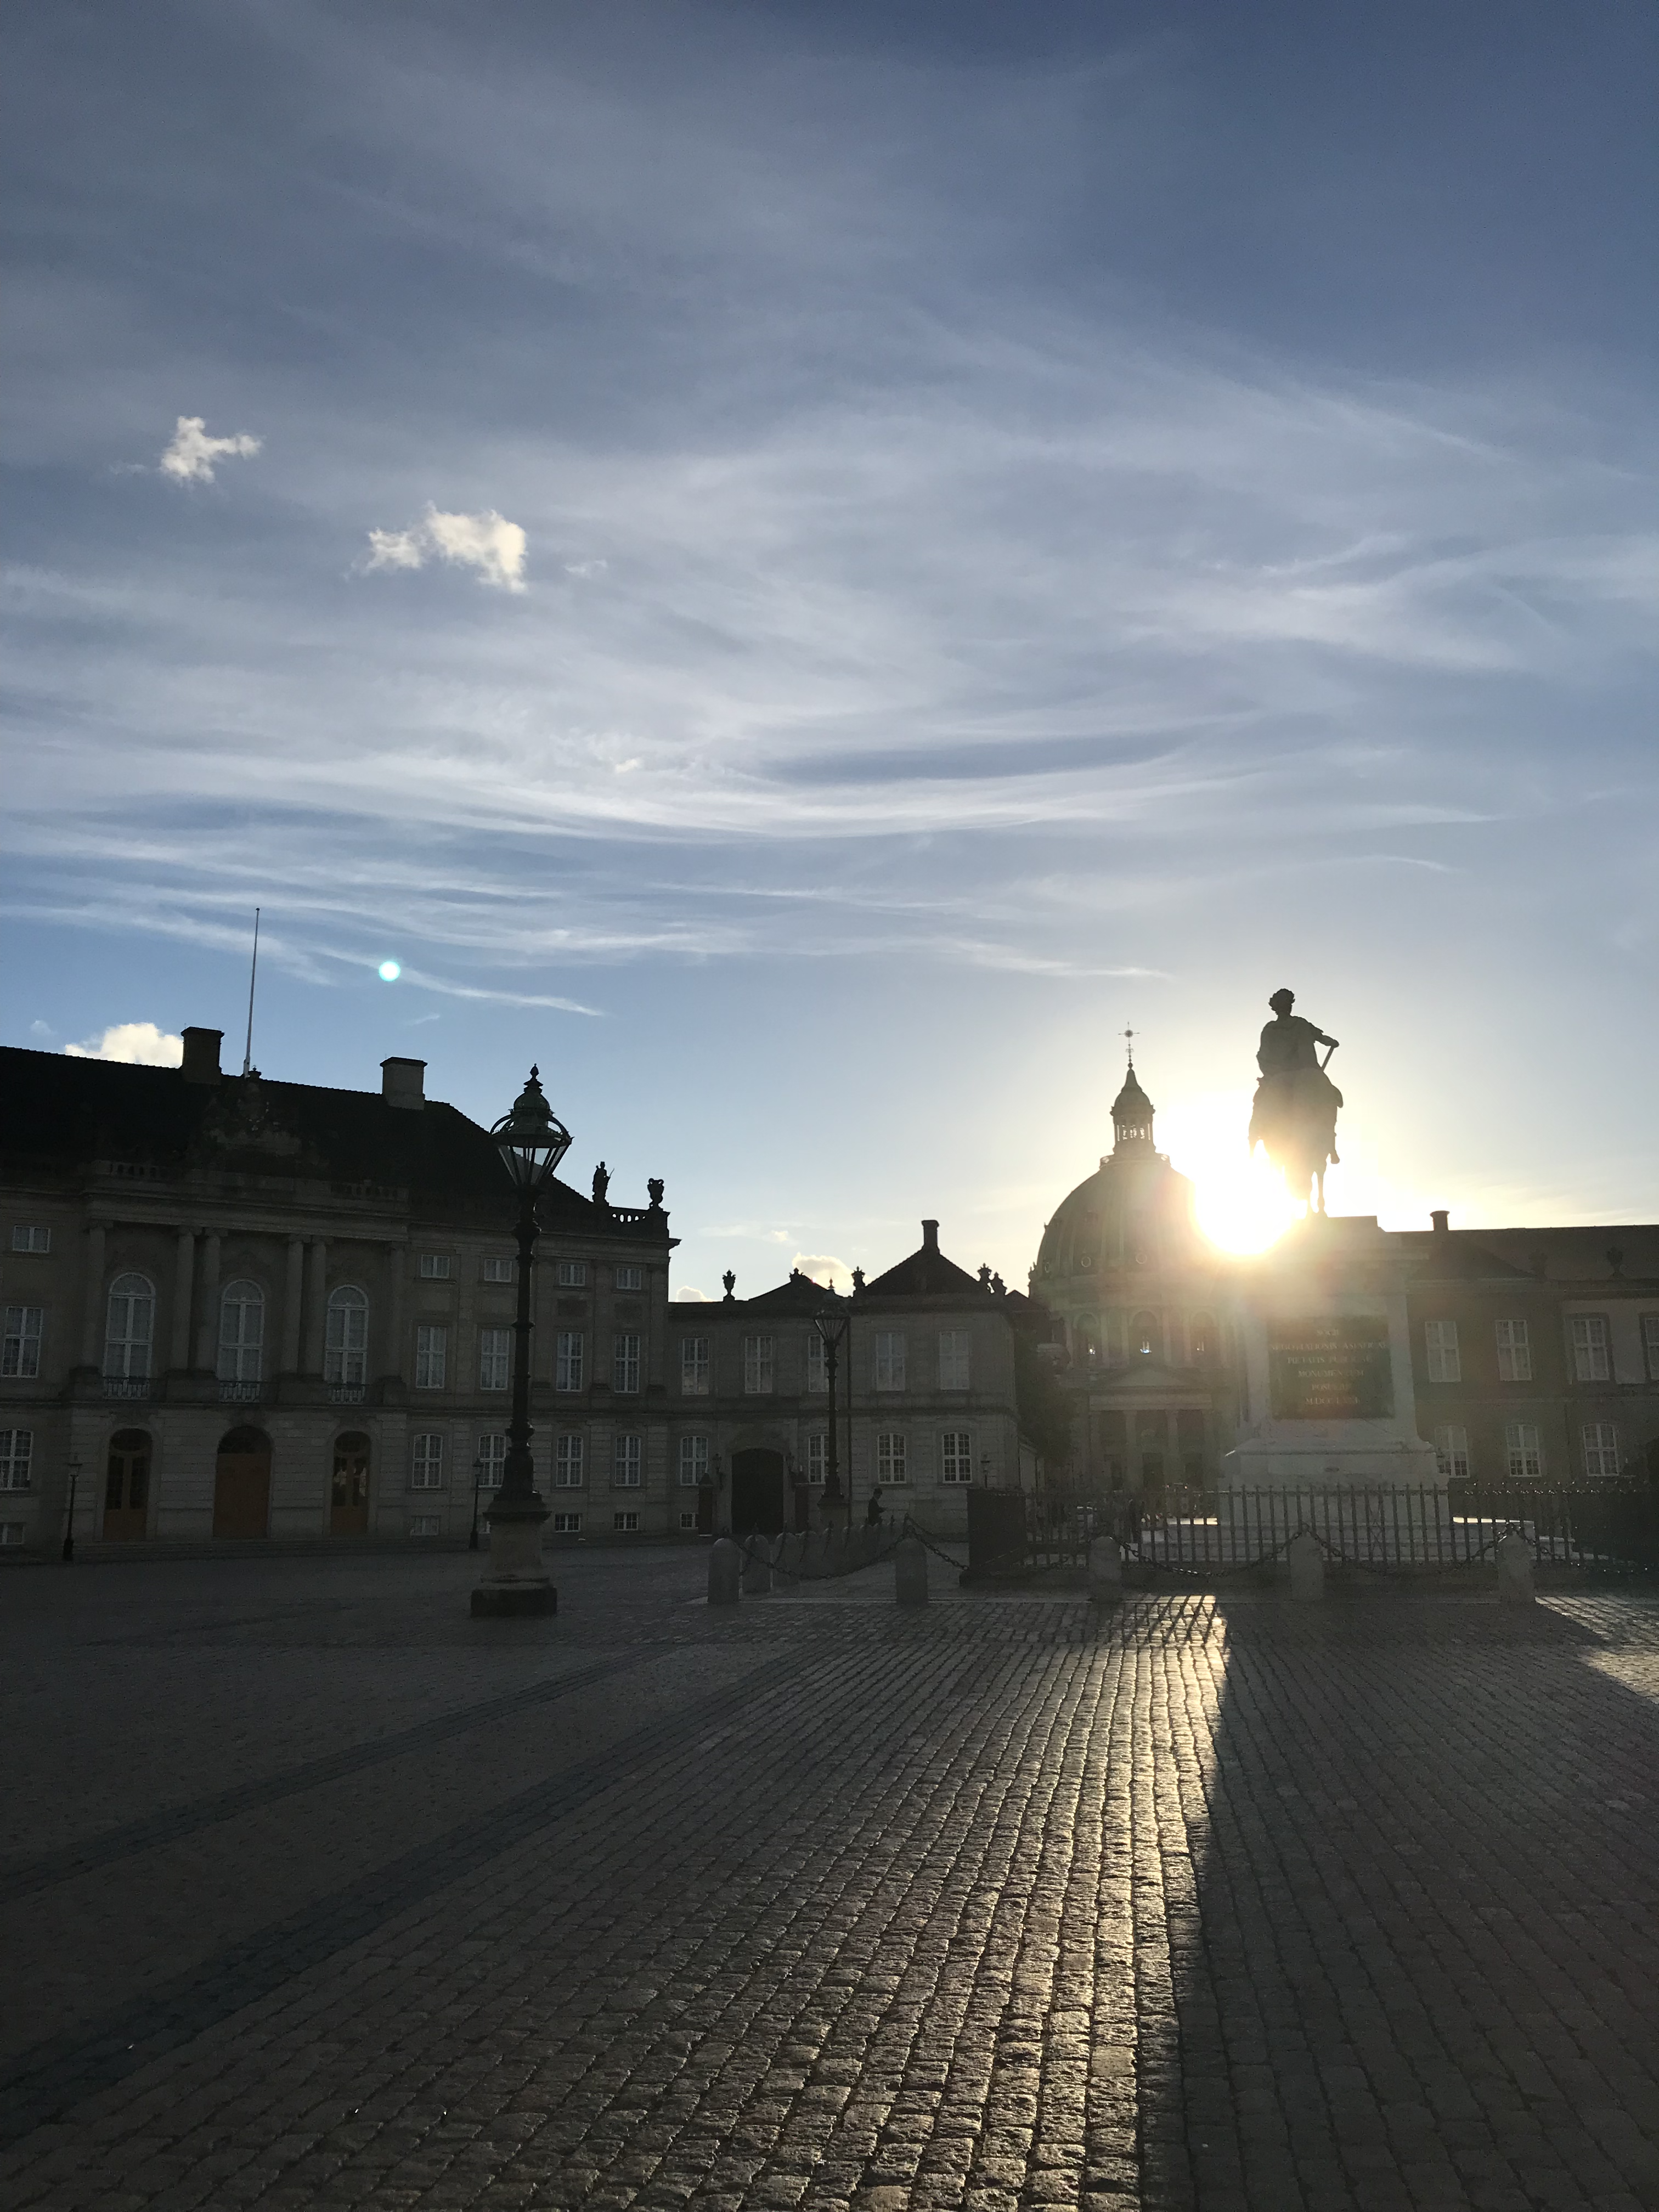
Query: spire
point(1132, 1109)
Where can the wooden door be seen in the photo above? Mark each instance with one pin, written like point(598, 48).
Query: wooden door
point(241, 1493)
point(348, 1511)
point(126, 1486)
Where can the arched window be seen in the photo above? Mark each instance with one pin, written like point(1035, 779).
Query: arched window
point(1146, 1335)
point(242, 1332)
point(346, 1353)
point(1202, 1332)
point(130, 1330)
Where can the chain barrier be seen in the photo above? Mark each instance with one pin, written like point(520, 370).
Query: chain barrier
point(915, 1528)
point(795, 1575)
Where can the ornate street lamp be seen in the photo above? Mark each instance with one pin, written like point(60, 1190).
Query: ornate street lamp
point(531, 1142)
point(832, 1324)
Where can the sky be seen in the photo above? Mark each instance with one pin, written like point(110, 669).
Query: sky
point(803, 567)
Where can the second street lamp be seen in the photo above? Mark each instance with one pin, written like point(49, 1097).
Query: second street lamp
point(832, 1325)
point(531, 1142)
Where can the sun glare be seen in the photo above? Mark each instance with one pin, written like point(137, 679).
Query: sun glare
point(1242, 1204)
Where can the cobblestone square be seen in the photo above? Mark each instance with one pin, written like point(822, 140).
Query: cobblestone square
point(318, 1892)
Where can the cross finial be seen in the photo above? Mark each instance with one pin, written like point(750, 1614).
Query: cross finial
point(1129, 1037)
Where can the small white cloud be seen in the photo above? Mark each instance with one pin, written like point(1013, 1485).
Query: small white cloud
point(823, 1267)
point(488, 542)
point(41, 1030)
point(690, 1298)
point(139, 1043)
point(192, 452)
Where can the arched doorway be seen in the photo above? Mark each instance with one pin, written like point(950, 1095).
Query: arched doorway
point(126, 1485)
point(757, 1493)
point(241, 1484)
point(348, 1506)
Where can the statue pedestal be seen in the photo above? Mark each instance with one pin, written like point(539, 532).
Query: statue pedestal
point(1325, 1350)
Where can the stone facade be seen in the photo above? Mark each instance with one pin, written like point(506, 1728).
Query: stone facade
point(242, 1308)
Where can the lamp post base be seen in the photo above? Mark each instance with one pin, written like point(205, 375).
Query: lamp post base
point(514, 1600)
point(516, 1586)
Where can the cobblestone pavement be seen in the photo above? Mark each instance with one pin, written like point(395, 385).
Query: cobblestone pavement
point(318, 1893)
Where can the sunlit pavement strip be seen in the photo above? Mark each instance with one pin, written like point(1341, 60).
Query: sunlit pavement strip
point(1221, 1904)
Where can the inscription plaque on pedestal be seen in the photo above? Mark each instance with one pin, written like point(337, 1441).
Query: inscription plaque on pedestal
point(1330, 1367)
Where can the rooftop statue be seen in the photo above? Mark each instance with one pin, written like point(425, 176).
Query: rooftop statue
point(1294, 1113)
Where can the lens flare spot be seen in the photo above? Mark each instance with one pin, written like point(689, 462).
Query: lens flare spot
point(390, 971)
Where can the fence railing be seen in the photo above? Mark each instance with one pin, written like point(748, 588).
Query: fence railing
point(1610, 1527)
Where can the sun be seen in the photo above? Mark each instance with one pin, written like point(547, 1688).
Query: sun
point(1241, 1201)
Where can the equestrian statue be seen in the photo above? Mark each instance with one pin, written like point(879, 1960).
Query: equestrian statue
point(1294, 1113)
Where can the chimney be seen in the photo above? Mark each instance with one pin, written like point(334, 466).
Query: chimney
point(201, 1062)
point(930, 1236)
point(1441, 1219)
point(402, 1082)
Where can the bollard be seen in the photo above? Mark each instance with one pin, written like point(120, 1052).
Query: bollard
point(910, 1572)
point(791, 1554)
point(1105, 1571)
point(756, 1567)
point(724, 1572)
point(1515, 1570)
point(1307, 1567)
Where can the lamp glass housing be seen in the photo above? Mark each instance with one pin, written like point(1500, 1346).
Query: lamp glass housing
point(531, 1139)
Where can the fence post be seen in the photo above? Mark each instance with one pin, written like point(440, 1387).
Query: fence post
point(1105, 1571)
point(724, 1572)
point(1515, 1583)
point(1307, 1567)
point(910, 1572)
point(756, 1568)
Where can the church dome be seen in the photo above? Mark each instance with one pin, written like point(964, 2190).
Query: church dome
point(1134, 1211)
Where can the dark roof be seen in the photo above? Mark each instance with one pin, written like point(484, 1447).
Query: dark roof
point(61, 1114)
point(800, 1295)
point(926, 1273)
point(1131, 1104)
point(1452, 1256)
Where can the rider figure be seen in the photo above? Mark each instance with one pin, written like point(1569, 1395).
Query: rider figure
point(1296, 1101)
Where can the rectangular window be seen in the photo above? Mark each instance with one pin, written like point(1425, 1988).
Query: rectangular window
point(435, 1266)
point(1650, 1344)
point(818, 1456)
point(492, 1459)
point(345, 1340)
point(426, 1461)
point(687, 1521)
point(756, 1365)
point(11, 1532)
point(890, 1359)
point(1514, 1352)
point(628, 1462)
point(498, 1270)
point(629, 1278)
point(431, 1356)
point(889, 1459)
point(625, 1524)
point(1589, 1348)
point(566, 1524)
point(1451, 1453)
point(1600, 1448)
point(426, 1524)
point(817, 1363)
point(694, 1366)
point(956, 1456)
point(567, 1463)
point(17, 1451)
point(26, 1239)
point(625, 1364)
point(567, 1360)
point(495, 1358)
point(953, 1359)
point(693, 1461)
point(1445, 1365)
point(570, 1274)
point(20, 1352)
point(1525, 1448)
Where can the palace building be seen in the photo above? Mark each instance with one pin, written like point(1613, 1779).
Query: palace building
point(1534, 1352)
point(242, 1309)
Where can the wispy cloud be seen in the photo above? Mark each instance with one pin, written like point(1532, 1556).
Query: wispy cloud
point(487, 542)
point(190, 455)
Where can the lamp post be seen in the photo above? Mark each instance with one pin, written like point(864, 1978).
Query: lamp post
point(531, 1142)
point(477, 1477)
point(832, 1325)
point(68, 1531)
